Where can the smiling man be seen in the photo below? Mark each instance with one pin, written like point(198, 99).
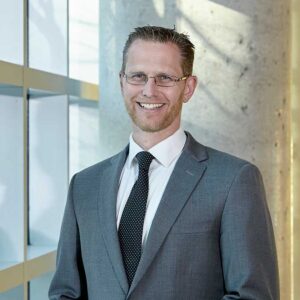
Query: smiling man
point(167, 218)
point(157, 88)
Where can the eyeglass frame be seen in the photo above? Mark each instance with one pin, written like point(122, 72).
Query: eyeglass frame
point(174, 79)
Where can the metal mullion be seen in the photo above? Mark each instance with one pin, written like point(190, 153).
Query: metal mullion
point(11, 277)
point(11, 74)
point(45, 81)
point(58, 84)
point(68, 40)
point(37, 266)
point(83, 90)
point(295, 140)
point(25, 145)
point(68, 96)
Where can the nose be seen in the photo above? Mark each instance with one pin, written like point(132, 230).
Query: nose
point(150, 88)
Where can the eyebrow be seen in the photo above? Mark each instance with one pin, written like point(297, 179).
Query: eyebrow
point(157, 74)
point(137, 72)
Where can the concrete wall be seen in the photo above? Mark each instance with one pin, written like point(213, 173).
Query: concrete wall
point(295, 80)
point(242, 101)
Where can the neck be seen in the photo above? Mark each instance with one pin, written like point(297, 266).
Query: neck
point(147, 140)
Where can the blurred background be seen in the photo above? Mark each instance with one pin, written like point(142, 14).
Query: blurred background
point(61, 110)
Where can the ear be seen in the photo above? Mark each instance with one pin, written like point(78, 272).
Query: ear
point(120, 78)
point(190, 86)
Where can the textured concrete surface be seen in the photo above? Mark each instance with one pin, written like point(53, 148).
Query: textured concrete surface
point(242, 101)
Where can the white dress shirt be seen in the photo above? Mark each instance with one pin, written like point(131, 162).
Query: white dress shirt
point(166, 154)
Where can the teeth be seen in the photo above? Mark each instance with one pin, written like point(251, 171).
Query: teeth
point(150, 105)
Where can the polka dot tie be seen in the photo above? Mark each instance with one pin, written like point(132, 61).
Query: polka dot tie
point(132, 219)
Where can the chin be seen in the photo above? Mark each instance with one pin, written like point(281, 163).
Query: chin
point(150, 128)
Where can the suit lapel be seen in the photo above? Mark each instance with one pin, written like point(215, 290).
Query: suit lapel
point(108, 192)
point(187, 173)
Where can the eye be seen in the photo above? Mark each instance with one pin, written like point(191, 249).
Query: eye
point(164, 78)
point(138, 77)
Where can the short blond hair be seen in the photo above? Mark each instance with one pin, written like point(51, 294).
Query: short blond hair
point(163, 35)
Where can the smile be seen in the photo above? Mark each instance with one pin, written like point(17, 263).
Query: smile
point(150, 105)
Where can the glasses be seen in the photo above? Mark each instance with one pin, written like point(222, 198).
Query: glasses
point(160, 80)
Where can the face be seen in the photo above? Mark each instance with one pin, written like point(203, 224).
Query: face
point(153, 108)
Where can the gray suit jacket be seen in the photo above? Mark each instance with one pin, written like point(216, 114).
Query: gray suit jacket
point(210, 239)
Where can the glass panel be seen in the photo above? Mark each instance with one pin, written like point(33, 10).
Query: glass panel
point(13, 294)
point(48, 166)
point(39, 287)
point(48, 35)
point(11, 174)
point(11, 31)
point(84, 134)
point(83, 37)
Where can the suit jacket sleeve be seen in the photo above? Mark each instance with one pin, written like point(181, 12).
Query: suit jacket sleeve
point(247, 240)
point(69, 279)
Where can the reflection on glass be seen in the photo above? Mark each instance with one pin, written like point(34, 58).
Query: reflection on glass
point(48, 167)
point(83, 134)
point(38, 288)
point(11, 175)
point(83, 37)
point(48, 35)
point(13, 294)
point(11, 31)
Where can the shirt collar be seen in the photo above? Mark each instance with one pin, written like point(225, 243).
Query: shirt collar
point(164, 152)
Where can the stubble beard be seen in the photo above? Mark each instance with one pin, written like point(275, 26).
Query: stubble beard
point(155, 126)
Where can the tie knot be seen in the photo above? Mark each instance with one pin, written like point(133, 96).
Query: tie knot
point(144, 158)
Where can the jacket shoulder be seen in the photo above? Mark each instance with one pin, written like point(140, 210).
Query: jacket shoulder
point(227, 167)
point(94, 170)
point(214, 157)
point(221, 157)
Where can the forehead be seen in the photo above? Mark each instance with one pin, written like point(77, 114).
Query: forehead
point(150, 56)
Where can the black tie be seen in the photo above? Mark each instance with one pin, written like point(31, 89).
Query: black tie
point(132, 220)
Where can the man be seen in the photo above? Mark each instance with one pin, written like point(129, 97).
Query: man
point(167, 218)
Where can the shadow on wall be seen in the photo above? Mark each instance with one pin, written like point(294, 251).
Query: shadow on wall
point(244, 7)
